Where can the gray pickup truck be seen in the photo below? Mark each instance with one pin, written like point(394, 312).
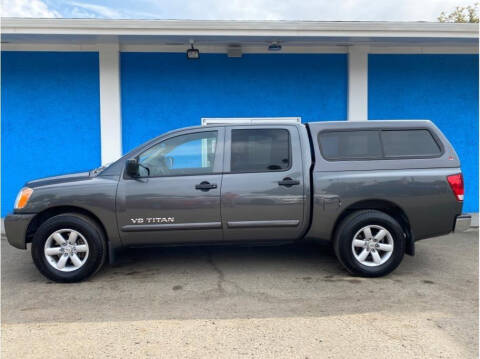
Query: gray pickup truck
point(373, 188)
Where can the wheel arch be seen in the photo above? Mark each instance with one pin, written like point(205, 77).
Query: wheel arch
point(43, 216)
point(387, 207)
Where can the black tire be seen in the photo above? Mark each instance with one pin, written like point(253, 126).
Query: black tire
point(94, 236)
point(344, 235)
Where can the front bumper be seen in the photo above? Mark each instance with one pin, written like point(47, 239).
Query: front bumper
point(16, 229)
point(462, 223)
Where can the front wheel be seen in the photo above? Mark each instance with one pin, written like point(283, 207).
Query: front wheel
point(369, 243)
point(68, 248)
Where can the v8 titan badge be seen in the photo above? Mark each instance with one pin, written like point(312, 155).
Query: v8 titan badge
point(153, 220)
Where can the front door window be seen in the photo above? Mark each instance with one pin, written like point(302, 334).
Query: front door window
point(190, 154)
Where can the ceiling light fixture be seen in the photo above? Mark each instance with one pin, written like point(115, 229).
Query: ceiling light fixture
point(192, 52)
point(234, 50)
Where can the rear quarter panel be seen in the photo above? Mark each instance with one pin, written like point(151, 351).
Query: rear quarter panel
point(424, 195)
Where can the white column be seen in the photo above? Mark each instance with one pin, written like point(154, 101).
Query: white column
point(358, 83)
point(110, 108)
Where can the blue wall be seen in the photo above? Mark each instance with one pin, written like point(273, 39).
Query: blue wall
point(50, 101)
point(441, 88)
point(50, 117)
point(161, 92)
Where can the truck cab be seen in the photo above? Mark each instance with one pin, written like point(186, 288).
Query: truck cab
point(216, 183)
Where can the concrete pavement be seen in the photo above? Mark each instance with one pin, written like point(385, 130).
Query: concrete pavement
point(291, 301)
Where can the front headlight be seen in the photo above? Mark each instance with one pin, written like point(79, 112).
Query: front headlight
point(23, 197)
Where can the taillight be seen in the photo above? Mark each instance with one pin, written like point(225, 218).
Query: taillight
point(456, 184)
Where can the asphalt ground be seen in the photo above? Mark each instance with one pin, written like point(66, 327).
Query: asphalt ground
point(291, 301)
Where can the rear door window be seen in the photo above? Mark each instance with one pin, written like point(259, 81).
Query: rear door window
point(350, 145)
point(409, 143)
point(260, 150)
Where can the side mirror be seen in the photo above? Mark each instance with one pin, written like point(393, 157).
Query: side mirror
point(132, 167)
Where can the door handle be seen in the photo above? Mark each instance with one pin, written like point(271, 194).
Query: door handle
point(205, 186)
point(288, 182)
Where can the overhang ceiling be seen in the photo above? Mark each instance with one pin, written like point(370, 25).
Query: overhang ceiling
point(246, 33)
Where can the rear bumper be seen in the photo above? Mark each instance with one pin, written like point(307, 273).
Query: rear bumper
point(462, 223)
point(16, 229)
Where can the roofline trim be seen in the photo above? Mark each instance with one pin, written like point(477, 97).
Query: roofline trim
point(237, 28)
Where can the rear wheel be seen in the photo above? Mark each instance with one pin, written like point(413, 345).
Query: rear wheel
point(369, 243)
point(68, 248)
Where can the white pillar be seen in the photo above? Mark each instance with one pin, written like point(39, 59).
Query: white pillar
point(110, 108)
point(358, 83)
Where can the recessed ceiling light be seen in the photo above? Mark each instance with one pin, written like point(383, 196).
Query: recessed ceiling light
point(274, 46)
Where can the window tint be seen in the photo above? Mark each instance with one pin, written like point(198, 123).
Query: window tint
point(342, 145)
point(181, 155)
point(409, 143)
point(260, 150)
